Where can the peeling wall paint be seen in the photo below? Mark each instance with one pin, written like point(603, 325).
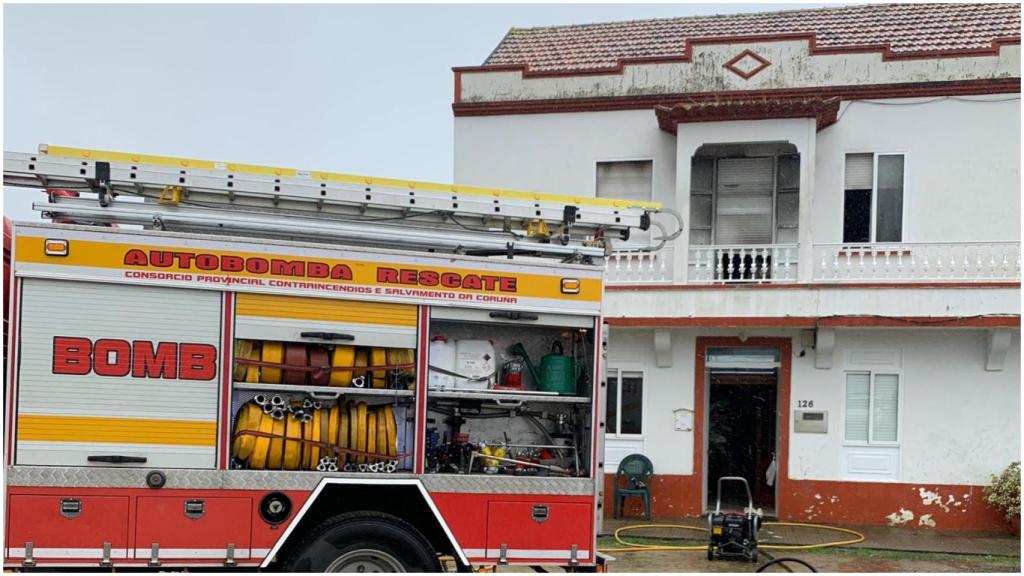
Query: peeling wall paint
point(900, 517)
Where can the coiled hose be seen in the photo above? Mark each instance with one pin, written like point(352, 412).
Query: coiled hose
point(636, 547)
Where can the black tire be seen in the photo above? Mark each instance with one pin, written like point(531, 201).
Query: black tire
point(375, 541)
point(711, 552)
point(753, 555)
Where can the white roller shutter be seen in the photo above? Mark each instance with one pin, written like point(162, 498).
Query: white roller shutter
point(163, 411)
point(743, 214)
point(860, 172)
point(858, 399)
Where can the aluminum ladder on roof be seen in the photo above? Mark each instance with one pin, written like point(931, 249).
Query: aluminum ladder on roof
point(227, 198)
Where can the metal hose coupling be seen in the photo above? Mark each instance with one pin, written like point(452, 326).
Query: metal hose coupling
point(277, 400)
point(260, 399)
point(277, 413)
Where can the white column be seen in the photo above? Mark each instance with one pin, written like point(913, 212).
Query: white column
point(805, 234)
point(686, 147)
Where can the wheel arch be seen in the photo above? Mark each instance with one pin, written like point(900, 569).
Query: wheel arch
point(405, 498)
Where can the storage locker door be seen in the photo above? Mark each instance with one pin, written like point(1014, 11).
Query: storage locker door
point(112, 370)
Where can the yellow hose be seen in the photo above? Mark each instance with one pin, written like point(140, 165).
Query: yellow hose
point(634, 547)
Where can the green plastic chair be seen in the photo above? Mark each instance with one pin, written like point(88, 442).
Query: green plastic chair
point(636, 470)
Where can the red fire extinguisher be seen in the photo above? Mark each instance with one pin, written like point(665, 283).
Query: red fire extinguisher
point(512, 373)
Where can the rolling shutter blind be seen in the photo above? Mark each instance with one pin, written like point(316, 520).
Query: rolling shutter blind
point(858, 397)
point(885, 407)
point(627, 180)
point(859, 172)
point(744, 204)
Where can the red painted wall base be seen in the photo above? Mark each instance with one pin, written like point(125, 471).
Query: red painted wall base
point(948, 506)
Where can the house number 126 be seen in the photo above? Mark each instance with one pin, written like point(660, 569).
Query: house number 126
point(805, 403)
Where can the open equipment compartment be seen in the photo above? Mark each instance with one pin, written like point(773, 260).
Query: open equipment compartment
point(490, 412)
point(323, 384)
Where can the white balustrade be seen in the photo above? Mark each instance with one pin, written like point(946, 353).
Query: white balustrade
point(759, 264)
point(918, 262)
point(639, 267)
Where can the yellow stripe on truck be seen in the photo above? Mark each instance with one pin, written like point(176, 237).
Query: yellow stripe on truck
point(113, 256)
point(306, 308)
point(129, 157)
point(62, 428)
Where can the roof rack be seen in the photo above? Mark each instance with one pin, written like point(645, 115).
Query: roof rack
point(227, 198)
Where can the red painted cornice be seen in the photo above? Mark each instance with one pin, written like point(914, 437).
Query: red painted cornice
point(687, 55)
point(854, 92)
point(824, 111)
point(852, 321)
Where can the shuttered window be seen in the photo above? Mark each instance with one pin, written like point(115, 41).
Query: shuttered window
point(743, 211)
point(858, 400)
point(860, 171)
point(745, 201)
point(873, 198)
point(702, 189)
point(627, 180)
point(872, 408)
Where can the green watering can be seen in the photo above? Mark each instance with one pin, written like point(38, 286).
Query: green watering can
point(557, 371)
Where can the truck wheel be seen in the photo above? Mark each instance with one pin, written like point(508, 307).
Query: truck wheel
point(711, 552)
point(363, 542)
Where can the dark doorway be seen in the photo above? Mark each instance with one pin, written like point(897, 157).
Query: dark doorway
point(742, 434)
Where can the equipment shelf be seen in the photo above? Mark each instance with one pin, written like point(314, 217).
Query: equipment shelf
point(513, 396)
point(324, 391)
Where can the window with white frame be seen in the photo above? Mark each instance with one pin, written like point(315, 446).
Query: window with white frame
point(873, 198)
point(627, 180)
point(625, 406)
point(872, 408)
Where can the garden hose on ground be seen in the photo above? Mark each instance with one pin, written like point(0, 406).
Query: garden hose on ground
point(635, 547)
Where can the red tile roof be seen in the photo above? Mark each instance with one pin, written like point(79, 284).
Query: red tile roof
point(905, 30)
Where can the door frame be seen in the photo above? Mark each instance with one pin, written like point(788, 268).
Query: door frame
point(700, 390)
point(776, 367)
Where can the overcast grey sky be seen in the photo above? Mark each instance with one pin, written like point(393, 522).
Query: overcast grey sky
point(350, 88)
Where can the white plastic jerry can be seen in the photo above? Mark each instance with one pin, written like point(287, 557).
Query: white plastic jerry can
point(476, 361)
point(442, 356)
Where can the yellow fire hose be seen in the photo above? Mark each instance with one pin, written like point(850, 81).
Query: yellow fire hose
point(635, 547)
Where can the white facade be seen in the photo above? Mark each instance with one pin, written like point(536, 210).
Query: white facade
point(958, 421)
point(956, 150)
point(937, 310)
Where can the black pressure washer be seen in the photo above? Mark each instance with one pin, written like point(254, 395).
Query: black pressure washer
point(733, 534)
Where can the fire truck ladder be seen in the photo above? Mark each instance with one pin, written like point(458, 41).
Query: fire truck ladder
point(101, 187)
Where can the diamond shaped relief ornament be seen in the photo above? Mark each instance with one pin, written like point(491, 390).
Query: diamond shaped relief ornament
point(746, 64)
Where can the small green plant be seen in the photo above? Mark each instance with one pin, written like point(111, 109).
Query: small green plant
point(1004, 491)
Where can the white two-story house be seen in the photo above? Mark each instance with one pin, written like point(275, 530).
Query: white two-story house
point(840, 321)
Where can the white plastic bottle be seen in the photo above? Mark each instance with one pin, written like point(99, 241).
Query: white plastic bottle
point(475, 359)
point(442, 355)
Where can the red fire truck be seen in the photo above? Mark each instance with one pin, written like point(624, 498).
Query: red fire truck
point(224, 365)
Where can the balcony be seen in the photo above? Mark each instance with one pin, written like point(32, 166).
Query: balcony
point(907, 262)
point(637, 267)
point(918, 262)
point(775, 263)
